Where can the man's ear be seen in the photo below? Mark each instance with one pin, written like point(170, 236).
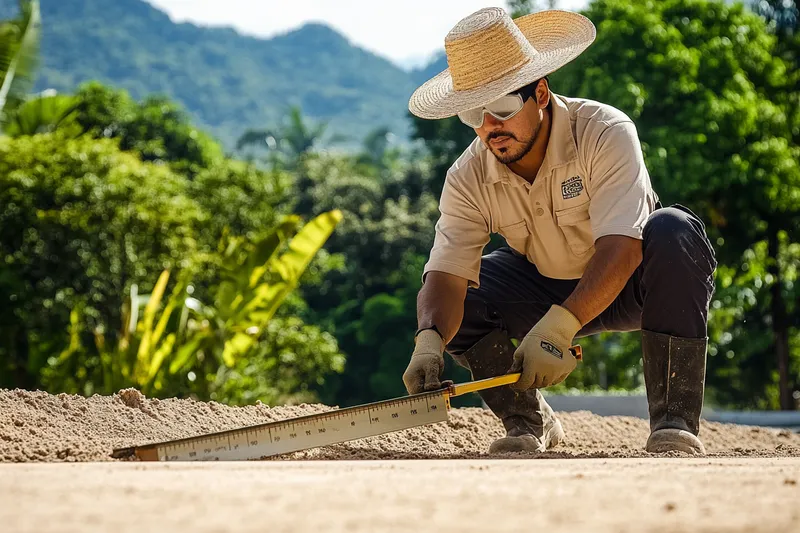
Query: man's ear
point(542, 93)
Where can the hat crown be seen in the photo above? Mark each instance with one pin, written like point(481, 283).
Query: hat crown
point(484, 47)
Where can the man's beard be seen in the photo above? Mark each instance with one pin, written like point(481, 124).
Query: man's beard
point(507, 155)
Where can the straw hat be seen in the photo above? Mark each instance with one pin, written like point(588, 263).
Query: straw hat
point(490, 55)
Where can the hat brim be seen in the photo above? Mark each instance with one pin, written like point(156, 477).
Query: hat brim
point(559, 37)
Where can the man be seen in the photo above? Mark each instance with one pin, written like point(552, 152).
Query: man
point(590, 248)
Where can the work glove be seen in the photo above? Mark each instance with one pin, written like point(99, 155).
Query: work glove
point(544, 356)
point(427, 363)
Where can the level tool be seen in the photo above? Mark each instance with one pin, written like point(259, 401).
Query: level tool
point(322, 429)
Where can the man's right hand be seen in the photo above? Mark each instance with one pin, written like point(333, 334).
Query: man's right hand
point(427, 363)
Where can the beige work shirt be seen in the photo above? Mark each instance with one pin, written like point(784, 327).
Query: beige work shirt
point(593, 182)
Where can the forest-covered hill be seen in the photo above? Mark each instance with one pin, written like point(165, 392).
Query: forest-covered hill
point(229, 82)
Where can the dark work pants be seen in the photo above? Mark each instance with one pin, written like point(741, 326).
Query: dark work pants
point(668, 293)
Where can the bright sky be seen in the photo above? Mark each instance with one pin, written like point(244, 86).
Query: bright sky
point(377, 25)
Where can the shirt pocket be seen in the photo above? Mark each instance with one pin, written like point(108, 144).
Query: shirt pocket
point(516, 235)
point(576, 226)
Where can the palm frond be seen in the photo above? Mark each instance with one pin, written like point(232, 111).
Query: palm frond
point(42, 113)
point(19, 54)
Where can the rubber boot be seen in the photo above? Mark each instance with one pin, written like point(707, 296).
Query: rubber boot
point(674, 374)
point(531, 425)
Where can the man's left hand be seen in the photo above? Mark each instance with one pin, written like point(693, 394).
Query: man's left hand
point(544, 357)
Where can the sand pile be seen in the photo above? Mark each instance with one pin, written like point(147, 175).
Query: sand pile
point(36, 426)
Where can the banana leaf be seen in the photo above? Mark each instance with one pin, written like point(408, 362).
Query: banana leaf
point(19, 55)
point(42, 114)
point(265, 299)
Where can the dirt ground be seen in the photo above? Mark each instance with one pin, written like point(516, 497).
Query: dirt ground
point(554, 496)
point(36, 426)
point(750, 481)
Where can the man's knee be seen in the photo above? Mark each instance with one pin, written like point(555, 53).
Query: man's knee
point(675, 231)
point(679, 266)
point(666, 223)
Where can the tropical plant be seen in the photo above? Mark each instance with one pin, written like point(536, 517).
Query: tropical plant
point(158, 129)
point(19, 49)
point(183, 345)
point(288, 143)
point(255, 279)
point(44, 113)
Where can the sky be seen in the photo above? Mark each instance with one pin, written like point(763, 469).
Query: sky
point(377, 25)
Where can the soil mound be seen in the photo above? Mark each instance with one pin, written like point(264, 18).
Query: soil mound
point(37, 426)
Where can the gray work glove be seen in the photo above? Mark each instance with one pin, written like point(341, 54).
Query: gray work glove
point(544, 357)
point(427, 363)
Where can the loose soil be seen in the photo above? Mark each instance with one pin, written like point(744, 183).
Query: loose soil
point(39, 427)
point(57, 476)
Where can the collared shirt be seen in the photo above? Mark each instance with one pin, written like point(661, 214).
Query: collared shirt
point(593, 182)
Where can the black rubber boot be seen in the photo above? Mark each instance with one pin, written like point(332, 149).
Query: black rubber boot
point(674, 374)
point(531, 425)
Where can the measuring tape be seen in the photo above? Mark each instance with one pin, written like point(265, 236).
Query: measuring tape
point(312, 431)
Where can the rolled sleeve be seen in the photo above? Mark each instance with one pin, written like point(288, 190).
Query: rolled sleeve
point(620, 184)
point(462, 232)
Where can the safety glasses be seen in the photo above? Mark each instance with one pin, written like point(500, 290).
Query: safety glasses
point(503, 108)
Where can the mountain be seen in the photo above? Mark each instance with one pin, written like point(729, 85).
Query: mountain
point(227, 81)
point(437, 64)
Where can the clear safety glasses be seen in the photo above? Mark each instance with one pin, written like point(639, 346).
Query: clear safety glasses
point(503, 108)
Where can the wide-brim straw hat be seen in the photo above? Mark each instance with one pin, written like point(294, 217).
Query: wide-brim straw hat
point(489, 54)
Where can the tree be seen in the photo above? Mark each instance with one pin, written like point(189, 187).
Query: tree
point(288, 143)
point(783, 19)
point(156, 128)
point(444, 140)
point(80, 221)
point(701, 80)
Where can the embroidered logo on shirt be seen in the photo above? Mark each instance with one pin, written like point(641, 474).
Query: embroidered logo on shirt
point(572, 188)
point(546, 346)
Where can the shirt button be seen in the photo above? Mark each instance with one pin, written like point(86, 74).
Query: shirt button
point(539, 212)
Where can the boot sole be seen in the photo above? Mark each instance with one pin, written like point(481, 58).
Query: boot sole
point(551, 438)
point(674, 440)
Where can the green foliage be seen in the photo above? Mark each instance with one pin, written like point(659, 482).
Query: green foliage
point(44, 113)
point(288, 143)
point(387, 228)
point(244, 200)
point(182, 345)
point(612, 361)
point(81, 220)
point(140, 350)
point(290, 364)
point(19, 55)
point(255, 279)
point(157, 129)
point(694, 76)
point(743, 355)
point(445, 140)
